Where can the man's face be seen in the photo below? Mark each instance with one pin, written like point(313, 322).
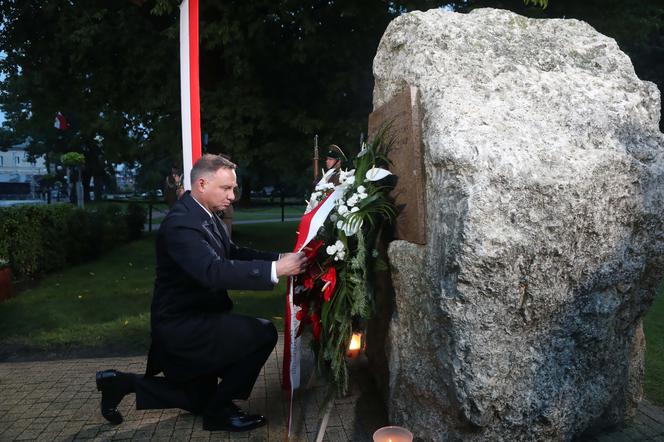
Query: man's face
point(218, 190)
point(332, 163)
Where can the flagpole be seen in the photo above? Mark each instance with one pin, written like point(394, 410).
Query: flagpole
point(189, 88)
point(315, 159)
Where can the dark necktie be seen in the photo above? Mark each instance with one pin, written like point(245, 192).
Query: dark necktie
point(220, 230)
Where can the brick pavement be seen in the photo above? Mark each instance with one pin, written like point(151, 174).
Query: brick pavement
point(58, 401)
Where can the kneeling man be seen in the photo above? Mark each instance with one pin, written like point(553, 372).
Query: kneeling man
point(196, 339)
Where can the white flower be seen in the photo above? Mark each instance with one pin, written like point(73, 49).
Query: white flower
point(352, 200)
point(361, 189)
point(334, 218)
point(340, 224)
point(351, 228)
point(342, 210)
point(354, 209)
point(363, 195)
point(376, 174)
point(337, 250)
point(346, 177)
point(313, 201)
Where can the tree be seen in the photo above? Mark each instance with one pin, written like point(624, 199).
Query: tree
point(273, 74)
point(103, 65)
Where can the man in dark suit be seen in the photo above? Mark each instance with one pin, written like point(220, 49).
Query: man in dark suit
point(196, 339)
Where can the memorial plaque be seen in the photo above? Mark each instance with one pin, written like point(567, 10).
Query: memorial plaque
point(403, 116)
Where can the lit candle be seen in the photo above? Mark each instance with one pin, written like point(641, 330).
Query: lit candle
point(392, 434)
point(355, 345)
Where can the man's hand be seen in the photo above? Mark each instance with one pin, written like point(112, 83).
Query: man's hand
point(291, 264)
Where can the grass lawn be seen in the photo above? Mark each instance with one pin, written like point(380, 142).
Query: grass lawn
point(274, 212)
point(106, 303)
point(242, 213)
point(653, 326)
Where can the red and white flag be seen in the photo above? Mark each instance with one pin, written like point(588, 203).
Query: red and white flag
point(60, 122)
point(309, 225)
point(189, 88)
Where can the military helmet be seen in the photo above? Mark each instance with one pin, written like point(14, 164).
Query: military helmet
point(334, 151)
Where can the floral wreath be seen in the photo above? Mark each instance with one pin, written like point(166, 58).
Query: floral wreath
point(335, 293)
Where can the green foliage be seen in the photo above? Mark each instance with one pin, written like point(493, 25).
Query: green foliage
point(272, 74)
point(72, 159)
point(30, 237)
point(41, 239)
point(111, 68)
point(541, 3)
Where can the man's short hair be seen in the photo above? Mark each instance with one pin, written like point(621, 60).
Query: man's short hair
point(209, 164)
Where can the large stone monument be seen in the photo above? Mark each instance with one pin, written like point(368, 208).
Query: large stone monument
point(519, 318)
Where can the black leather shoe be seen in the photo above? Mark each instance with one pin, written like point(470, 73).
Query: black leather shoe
point(232, 418)
point(113, 385)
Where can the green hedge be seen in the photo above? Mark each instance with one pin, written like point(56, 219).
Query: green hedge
point(40, 239)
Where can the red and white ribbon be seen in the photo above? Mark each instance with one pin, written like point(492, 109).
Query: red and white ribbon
point(189, 88)
point(309, 225)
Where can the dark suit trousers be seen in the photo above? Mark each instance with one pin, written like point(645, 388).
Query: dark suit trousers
point(205, 394)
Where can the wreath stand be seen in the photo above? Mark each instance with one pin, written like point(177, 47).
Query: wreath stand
point(322, 427)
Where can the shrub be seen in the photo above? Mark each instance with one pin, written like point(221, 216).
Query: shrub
point(40, 239)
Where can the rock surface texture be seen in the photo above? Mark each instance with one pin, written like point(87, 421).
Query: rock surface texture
point(520, 319)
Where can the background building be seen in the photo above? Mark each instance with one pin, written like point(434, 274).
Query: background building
point(19, 177)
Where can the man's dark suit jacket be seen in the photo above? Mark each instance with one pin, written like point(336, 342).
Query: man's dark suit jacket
point(196, 264)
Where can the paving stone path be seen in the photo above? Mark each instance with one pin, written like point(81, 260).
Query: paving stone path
point(58, 401)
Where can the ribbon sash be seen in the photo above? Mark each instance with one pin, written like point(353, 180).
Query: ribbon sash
point(309, 225)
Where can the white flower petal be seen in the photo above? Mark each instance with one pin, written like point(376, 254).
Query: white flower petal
point(376, 174)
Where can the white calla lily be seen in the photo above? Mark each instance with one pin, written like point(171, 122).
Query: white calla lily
point(377, 174)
